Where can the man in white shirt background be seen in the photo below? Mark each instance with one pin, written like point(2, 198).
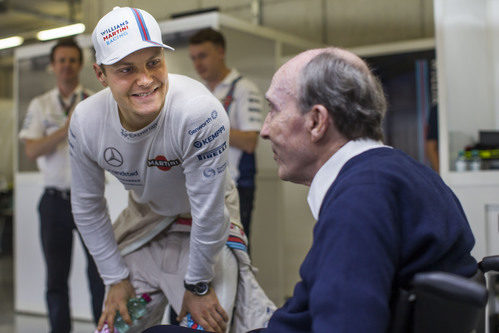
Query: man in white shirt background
point(242, 102)
point(44, 133)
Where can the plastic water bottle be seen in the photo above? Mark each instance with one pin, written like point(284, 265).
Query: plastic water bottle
point(192, 324)
point(476, 161)
point(136, 309)
point(461, 163)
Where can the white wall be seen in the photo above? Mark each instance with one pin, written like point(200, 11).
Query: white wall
point(6, 138)
point(467, 40)
point(468, 95)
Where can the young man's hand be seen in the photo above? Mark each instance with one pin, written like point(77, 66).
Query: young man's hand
point(205, 311)
point(116, 300)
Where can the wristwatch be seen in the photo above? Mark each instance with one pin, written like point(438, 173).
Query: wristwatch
point(200, 288)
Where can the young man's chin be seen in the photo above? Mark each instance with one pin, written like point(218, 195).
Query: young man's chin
point(147, 111)
point(148, 105)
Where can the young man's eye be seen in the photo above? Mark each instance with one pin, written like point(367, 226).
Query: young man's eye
point(154, 62)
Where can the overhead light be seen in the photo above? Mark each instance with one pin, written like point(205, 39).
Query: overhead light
point(68, 30)
point(5, 43)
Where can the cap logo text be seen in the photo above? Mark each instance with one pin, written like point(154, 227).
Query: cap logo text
point(114, 32)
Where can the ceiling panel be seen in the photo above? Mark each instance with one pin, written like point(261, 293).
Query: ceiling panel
point(28, 16)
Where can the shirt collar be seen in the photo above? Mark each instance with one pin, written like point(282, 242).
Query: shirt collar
point(78, 90)
point(329, 171)
point(233, 74)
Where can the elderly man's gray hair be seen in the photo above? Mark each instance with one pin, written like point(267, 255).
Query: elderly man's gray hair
point(348, 90)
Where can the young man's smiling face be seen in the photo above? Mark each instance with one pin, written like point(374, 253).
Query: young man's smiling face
point(139, 83)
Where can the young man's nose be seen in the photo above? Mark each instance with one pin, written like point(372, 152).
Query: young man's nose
point(145, 78)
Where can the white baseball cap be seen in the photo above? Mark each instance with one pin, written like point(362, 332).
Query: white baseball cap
point(123, 31)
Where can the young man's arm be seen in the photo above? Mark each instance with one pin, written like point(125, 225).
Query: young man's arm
point(205, 158)
point(93, 222)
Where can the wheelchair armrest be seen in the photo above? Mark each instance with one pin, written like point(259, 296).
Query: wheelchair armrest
point(490, 263)
point(437, 302)
point(445, 302)
point(450, 287)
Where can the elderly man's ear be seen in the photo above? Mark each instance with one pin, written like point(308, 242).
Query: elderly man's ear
point(317, 122)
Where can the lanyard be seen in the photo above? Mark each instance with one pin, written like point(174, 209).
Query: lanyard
point(65, 107)
point(68, 108)
point(227, 101)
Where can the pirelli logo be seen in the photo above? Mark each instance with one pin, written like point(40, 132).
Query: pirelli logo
point(212, 153)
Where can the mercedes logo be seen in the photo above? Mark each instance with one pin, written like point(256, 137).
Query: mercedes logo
point(113, 157)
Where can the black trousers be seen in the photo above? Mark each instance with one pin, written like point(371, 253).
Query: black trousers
point(56, 230)
point(246, 198)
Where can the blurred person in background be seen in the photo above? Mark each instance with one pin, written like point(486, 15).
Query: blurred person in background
point(242, 102)
point(431, 142)
point(45, 137)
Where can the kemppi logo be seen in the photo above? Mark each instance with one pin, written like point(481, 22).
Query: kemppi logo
point(199, 143)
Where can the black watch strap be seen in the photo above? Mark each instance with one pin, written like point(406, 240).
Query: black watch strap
point(200, 288)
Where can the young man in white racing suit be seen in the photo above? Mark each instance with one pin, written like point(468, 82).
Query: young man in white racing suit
point(145, 129)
